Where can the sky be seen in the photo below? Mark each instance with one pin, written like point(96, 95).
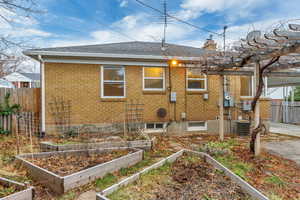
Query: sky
point(79, 22)
point(82, 22)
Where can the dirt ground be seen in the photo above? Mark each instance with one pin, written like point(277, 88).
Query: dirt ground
point(188, 177)
point(64, 165)
point(276, 177)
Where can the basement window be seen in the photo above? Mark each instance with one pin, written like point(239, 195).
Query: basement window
point(196, 81)
point(154, 127)
point(154, 78)
point(112, 82)
point(197, 126)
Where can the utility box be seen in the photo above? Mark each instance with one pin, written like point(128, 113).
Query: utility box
point(205, 96)
point(246, 105)
point(228, 100)
point(173, 97)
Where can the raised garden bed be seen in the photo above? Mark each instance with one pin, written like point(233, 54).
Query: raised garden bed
point(65, 170)
point(185, 174)
point(141, 144)
point(12, 190)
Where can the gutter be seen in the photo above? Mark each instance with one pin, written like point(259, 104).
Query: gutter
point(43, 97)
point(107, 55)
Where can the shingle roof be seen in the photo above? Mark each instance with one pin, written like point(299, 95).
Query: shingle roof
point(281, 82)
point(32, 76)
point(132, 48)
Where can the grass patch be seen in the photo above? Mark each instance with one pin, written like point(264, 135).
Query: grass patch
point(149, 159)
point(68, 196)
point(238, 167)
point(228, 144)
point(145, 181)
point(275, 180)
point(106, 181)
point(66, 142)
point(5, 191)
point(134, 169)
point(275, 197)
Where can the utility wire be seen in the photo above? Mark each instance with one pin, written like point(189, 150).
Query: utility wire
point(176, 18)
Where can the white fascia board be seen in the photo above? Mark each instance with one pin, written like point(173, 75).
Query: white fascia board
point(105, 62)
point(106, 55)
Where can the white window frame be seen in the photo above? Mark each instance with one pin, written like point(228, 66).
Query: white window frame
point(265, 89)
point(155, 78)
point(196, 79)
point(155, 130)
point(197, 128)
point(103, 81)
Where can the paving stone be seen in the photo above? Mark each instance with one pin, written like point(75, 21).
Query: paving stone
point(89, 195)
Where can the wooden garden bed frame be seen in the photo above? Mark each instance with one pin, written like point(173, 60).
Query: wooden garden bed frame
point(25, 193)
point(141, 144)
point(255, 194)
point(61, 184)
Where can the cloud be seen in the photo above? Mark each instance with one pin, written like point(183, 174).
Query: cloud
point(140, 26)
point(29, 32)
point(132, 27)
point(233, 9)
point(20, 28)
point(123, 3)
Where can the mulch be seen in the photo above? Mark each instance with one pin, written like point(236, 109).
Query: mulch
point(198, 180)
point(64, 165)
point(5, 191)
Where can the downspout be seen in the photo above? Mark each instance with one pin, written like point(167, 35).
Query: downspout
point(43, 100)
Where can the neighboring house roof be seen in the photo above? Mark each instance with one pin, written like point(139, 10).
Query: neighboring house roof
point(122, 50)
point(32, 76)
point(6, 84)
point(282, 82)
point(21, 77)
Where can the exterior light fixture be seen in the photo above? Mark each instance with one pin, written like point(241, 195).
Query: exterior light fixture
point(174, 63)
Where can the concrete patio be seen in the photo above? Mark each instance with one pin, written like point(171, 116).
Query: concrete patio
point(285, 129)
point(289, 149)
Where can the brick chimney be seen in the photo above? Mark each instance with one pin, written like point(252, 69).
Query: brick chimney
point(210, 44)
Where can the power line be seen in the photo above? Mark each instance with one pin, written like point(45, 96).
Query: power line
point(176, 18)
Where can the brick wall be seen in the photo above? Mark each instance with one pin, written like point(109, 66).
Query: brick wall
point(80, 83)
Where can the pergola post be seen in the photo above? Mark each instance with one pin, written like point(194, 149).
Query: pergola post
point(221, 108)
point(257, 147)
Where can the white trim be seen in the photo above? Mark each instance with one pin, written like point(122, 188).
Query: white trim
point(102, 82)
point(197, 79)
point(155, 130)
point(154, 78)
point(106, 62)
point(43, 88)
point(264, 92)
point(106, 55)
point(197, 128)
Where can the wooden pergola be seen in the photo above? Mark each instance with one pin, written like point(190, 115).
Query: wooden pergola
point(257, 55)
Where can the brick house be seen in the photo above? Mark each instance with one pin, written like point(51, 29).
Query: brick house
point(100, 79)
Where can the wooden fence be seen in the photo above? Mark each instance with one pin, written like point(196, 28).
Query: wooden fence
point(28, 118)
point(285, 112)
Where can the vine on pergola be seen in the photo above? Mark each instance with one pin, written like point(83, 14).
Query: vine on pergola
point(267, 52)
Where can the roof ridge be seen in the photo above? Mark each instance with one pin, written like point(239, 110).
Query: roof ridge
point(114, 43)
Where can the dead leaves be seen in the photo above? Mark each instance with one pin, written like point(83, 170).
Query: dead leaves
point(68, 164)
